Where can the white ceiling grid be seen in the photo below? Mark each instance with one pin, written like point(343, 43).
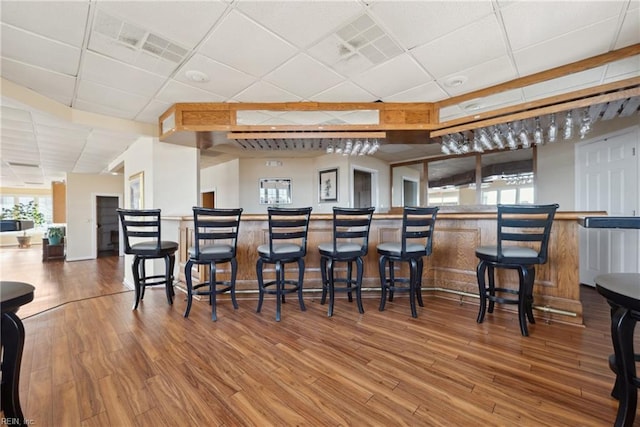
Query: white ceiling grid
point(128, 59)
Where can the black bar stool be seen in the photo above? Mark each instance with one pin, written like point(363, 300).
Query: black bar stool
point(142, 239)
point(528, 224)
point(350, 244)
point(215, 242)
point(416, 243)
point(288, 229)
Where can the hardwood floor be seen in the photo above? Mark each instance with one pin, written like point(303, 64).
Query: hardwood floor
point(90, 360)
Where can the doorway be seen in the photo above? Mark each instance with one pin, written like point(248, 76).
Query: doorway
point(363, 188)
point(607, 173)
point(209, 199)
point(410, 193)
point(107, 227)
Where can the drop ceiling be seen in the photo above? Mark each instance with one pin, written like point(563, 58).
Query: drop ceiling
point(132, 60)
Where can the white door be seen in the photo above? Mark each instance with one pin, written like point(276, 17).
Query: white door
point(607, 180)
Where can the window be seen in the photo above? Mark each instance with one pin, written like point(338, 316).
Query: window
point(44, 202)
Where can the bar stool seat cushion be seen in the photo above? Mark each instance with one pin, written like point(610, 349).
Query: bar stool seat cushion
point(280, 249)
point(395, 249)
point(213, 251)
point(165, 245)
point(341, 248)
point(515, 254)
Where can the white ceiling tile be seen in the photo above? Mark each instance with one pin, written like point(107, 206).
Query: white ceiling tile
point(571, 47)
point(265, 92)
point(317, 77)
point(14, 115)
point(480, 41)
point(39, 51)
point(301, 23)
point(38, 79)
point(112, 98)
point(177, 92)
point(532, 22)
point(630, 30)
point(428, 92)
point(112, 73)
point(344, 92)
point(481, 76)
point(394, 76)
point(67, 134)
point(83, 105)
point(152, 112)
point(60, 20)
point(223, 80)
point(255, 50)
point(416, 23)
point(564, 84)
point(180, 21)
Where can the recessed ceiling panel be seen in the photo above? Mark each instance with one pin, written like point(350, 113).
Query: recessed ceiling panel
point(317, 77)
point(64, 21)
point(39, 51)
point(530, 23)
point(255, 50)
point(222, 79)
point(301, 23)
point(481, 41)
point(396, 75)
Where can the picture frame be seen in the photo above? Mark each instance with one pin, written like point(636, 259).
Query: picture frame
point(136, 191)
point(328, 185)
point(275, 191)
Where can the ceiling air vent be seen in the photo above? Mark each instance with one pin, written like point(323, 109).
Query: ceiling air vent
point(135, 38)
point(24, 165)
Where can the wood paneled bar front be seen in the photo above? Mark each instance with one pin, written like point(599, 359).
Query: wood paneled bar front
point(450, 271)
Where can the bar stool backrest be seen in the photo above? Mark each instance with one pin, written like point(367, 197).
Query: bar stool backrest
point(525, 223)
point(352, 224)
point(290, 224)
point(418, 224)
point(211, 225)
point(141, 226)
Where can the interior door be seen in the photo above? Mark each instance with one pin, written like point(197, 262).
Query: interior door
point(607, 179)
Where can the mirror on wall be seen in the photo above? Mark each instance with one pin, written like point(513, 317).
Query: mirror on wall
point(507, 177)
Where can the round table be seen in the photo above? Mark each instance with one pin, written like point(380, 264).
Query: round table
point(622, 291)
point(13, 295)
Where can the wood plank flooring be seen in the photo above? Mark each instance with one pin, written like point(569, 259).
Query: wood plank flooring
point(89, 360)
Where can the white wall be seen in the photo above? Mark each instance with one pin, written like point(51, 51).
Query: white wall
point(236, 183)
point(81, 228)
point(224, 180)
point(400, 172)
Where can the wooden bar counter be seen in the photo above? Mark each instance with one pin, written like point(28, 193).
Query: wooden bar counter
point(449, 272)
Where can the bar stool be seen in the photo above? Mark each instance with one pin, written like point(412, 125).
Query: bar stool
point(215, 242)
point(288, 229)
point(350, 244)
point(416, 243)
point(529, 224)
point(145, 224)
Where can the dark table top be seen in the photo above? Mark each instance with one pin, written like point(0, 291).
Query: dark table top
point(610, 221)
point(15, 294)
point(621, 288)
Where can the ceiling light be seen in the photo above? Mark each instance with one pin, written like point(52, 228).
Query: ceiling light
point(196, 76)
point(455, 81)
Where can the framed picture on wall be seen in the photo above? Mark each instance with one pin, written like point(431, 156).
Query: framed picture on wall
point(328, 185)
point(136, 191)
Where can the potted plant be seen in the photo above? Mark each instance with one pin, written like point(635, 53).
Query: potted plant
point(24, 212)
point(55, 235)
